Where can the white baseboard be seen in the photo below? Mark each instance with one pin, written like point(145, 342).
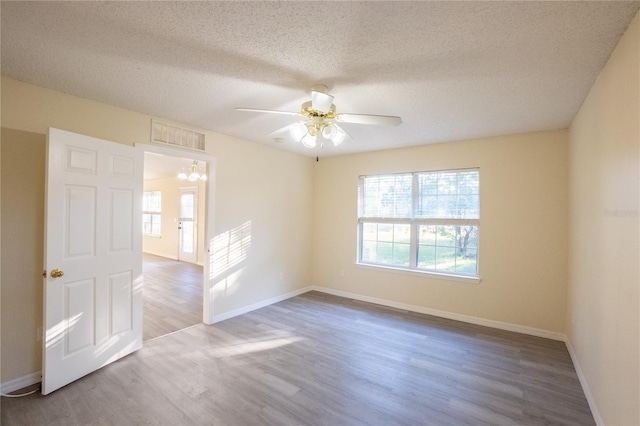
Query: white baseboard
point(169, 256)
point(449, 315)
point(21, 382)
point(166, 256)
point(261, 304)
point(585, 385)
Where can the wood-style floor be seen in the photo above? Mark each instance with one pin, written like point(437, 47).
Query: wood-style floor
point(318, 359)
point(172, 296)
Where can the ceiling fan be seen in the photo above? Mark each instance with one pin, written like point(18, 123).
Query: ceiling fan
point(319, 117)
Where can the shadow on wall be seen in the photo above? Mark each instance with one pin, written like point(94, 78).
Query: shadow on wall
point(228, 250)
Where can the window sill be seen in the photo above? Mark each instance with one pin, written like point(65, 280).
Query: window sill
point(414, 272)
point(152, 236)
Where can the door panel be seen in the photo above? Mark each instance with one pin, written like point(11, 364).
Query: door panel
point(187, 238)
point(121, 297)
point(121, 221)
point(80, 221)
point(79, 297)
point(93, 312)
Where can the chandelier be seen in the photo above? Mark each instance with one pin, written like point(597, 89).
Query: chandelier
point(192, 174)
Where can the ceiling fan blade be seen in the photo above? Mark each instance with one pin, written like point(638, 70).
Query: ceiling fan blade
point(281, 130)
point(270, 111)
point(321, 101)
point(378, 120)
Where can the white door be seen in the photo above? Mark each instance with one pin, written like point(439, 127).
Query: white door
point(93, 256)
point(188, 238)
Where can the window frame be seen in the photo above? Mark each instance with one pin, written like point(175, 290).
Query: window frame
point(152, 214)
point(414, 224)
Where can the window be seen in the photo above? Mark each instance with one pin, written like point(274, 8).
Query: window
point(424, 221)
point(151, 213)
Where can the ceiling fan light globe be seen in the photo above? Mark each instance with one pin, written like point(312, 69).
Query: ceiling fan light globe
point(339, 137)
point(330, 131)
point(203, 177)
point(309, 141)
point(298, 131)
point(182, 176)
point(194, 177)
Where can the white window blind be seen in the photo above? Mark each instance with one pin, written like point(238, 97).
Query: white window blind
point(426, 221)
point(152, 213)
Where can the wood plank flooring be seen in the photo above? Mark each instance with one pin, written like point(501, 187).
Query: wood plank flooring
point(172, 297)
point(318, 359)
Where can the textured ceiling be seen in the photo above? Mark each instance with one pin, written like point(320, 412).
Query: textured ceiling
point(451, 70)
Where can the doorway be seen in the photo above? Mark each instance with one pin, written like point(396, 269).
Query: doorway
point(173, 258)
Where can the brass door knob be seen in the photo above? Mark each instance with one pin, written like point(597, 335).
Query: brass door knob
point(56, 273)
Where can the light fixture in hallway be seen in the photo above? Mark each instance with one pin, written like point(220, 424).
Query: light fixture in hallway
point(193, 174)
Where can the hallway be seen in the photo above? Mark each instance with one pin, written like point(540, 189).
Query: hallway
point(172, 295)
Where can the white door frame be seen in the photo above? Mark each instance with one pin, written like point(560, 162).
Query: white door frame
point(209, 216)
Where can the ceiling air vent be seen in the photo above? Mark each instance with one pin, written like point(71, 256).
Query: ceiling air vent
point(170, 135)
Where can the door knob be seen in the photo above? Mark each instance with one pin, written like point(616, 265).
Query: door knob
point(56, 273)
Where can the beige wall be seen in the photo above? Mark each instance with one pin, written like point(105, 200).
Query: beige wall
point(270, 197)
point(22, 231)
point(269, 188)
point(604, 181)
point(532, 239)
point(167, 244)
point(523, 229)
